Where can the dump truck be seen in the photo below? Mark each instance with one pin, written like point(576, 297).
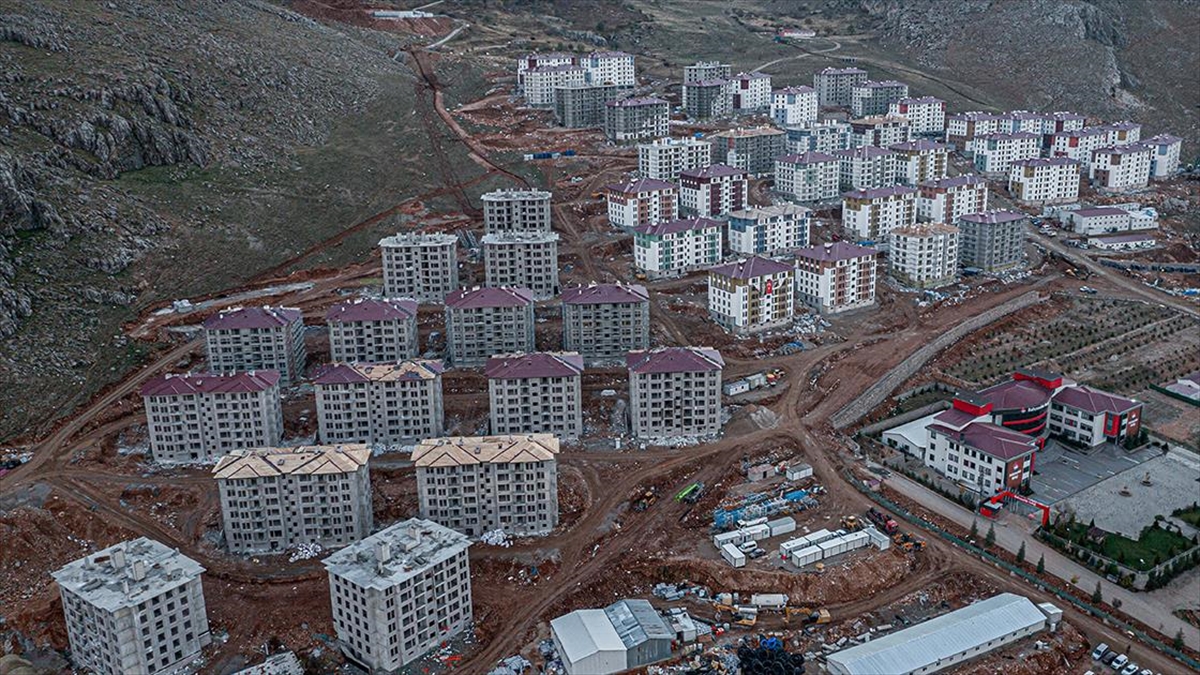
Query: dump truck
point(882, 521)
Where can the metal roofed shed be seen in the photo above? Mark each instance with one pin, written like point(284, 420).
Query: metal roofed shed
point(588, 643)
point(647, 638)
point(945, 641)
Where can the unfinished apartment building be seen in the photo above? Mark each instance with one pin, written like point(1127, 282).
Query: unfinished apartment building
point(636, 119)
point(479, 484)
point(399, 593)
point(675, 391)
point(199, 417)
point(536, 393)
point(522, 259)
point(481, 322)
point(373, 330)
point(419, 266)
point(516, 211)
point(135, 608)
point(581, 106)
point(604, 322)
point(257, 338)
point(275, 498)
point(380, 403)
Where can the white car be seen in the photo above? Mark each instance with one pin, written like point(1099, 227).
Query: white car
point(1130, 669)
point(1119, 662)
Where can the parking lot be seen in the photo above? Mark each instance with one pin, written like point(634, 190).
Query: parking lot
point(1062, 472)
point(1124, 504)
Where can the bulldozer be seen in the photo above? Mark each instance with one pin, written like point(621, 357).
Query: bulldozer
point(807, 616)
point(851, 523)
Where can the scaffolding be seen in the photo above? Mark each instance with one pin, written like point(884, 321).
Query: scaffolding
point(762, 505)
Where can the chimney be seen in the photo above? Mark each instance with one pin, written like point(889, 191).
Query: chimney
point(414, 538)
point(383, 552)
point(138, 571)
point(118, 557)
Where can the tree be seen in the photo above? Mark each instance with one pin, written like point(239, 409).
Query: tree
point(1041, 568)
point(1021, 553)
point(1097, 596)
point(990, 539)
point(1177, 643)
point(974, 529)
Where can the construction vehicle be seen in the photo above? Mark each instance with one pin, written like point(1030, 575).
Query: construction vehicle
point(882, 521)
point(690, 491)
point(907, 542)
point(645, 500)
point(851, 523)
point(807, 616)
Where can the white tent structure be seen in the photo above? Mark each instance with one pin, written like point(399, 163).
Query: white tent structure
point(588, 643)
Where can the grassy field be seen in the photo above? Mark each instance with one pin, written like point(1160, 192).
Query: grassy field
point(1155, 545)
point(1190, 516)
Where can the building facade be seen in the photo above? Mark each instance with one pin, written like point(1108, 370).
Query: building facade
point(528, 62)
point(768, 229)
point(257, 338)
point(705, 70)
point(750, 92)
point(824, 136)
point(794, 105)
point(644, 201)
point(995, 153)
point(879, 131)
point(992, 241)
point(636, 119)
point(540, 83)
point(1164, 160)
point(675, 391)
point(808, 177)
point(948, 199)
point(1121, 168)
point(516, 211)
point(536, 393)
point(752, 150)
point(866, 167)
point(836, 277)
point(481, 322)
point(707, 99)
point(752, 295)
point(603, 322)
point(919, 161)
point(373, 330)
point(924, 255)
point(610, 67)
point(522, 259)
point(380, 403)
point(713, 191)
point(664, 158)
point(677, 247)
point(1045, 180)
point(1088, 417)
point(963, 128)
point(872, 214)
point(582, 106)
point(420, 266)
point(1078, 144)
point(926, 115)
point(874, 98)
point(834, 85)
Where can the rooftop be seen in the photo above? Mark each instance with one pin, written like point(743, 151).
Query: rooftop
point(975, 116)
point(173, 384)
point(921, 100)
point(636, 621)
point(880, 84)
point(253, 317)
point(1127, 238)
point(925, 230)
point(404, 239)
point(372, 309)
point(127, 574)
point(955, 181)
point(991, 439)
point(842, 71)
point(1045, 161)
point(1128, 149)
point(993, 217)
point(304, 459)
point(1014, 136)
point(641, 185)
point(712, 171)
point(1016, 395)
point(772, 211)
point(802, 89)
point(1100, 211)
point(751, 76)
point(674, 360)
point(512, 237)
point(743, 132)
point(838, 250)
point(918, 145)
point(599, 294)
point(489, 296)
point(1094, 401)
point(536, 364)
point(396, 554)
point(353, 373)
point(754, 266)
point(880, 192)
point(865, 152)
point(511, 195)
point(1162, 139)
point(585, 632)
point(561, 68)
point(636, 102)
point(674, 226)
point(466, 450)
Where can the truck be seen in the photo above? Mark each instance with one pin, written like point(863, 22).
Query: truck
point(882, 521)
point(769, 600)
point(733, 556)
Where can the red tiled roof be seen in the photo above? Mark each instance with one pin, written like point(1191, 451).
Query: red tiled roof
point(253, 317)
point(1094, 401)
point(489, 296)
point(673, 226)
point(712, 171)
point(210, 383)
point(1016, 395)
point(598, 294)
point(641, 185)
point(838, 250)
point(754, 266)
point(954, 417)
point(537, 364)
point(674, 360)
point(991, 439)
point(372, 309)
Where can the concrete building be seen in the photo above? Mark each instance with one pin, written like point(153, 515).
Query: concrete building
point(582, 106)
point(677, 247)
point(636, 119)
point(834, 85)
point(866, 167)
point(824, 136)
point(874, 98)
point(1016, 121)
point(836, 277)
point(539, 84)
point(1044, 180)
point(533, 60)
point(924, 255)
point(947, 199)
point(536, 393)
point(995, 153)
point(705, 70)
point(644, 201)
point(981, 456)
point(768, 229)
point(1078, 144)
point(1121, 168)
point(380, 403)
point(626, 635)
point(481, 322)
point(794, 105)
point(750, 93)
point(992, 241)
point(516, 211)
point(420, 266)
point(134, 608)
point(664, 158)
point(199, 417)
point(1131, 241)
point(602, 322)
point(1164, 158)
point(752, 150)
point(522, 259)
point(809, 177)
point(879, 131)
point(872, 214)
point(752, 295)
point(609, 67)
point(275, 498)
point(1088, 417)
point(399, 593)
point(707, 99)
point(257, 338)
point(483, 483)
point(713, 191)
point(963, 128)
point(674, 391)
point(919, 161)
point(1099, 220)
point(373, 330)
point(926, 115)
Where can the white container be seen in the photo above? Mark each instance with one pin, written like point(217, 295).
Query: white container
point(819, 536)
point(756, 532)
point(798, 471)
point(792, 545)
point(733, 556)
point(807, 556)
point(878, 539)
point(751, 523)
point(769, 600)
point(856, 540)
point(832, 547)
point(782, 526)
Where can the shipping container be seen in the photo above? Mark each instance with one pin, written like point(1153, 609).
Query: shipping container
point(734, 537)
point(807, 556)
point(751, 523)
point(855, 540)
point(792, 545)
point(878, 539)
point(798, 471)
point(782, 526)
point(833, 547)
point(769, 600)
point(733, 556)
point(757, 532)
point(819, 536)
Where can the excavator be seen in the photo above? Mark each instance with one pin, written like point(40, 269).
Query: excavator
point(808, 616)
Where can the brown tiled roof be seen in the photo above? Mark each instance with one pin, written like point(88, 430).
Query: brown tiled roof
point(536, 364)
point(210, 383)
point(252, 317)
point(305, 459)
point(372, 309)
point(466, 450)
point(674, 360)
point(673, 226)
point(991, 439)
point(1094, 401)
point(754, 266)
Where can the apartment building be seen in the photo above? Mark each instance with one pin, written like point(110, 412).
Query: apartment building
point(602, 322)
point(752, 295)
point(1123, 133)
point(920, 161)
point(582, 106)
point(963, 128)
point(533, 60)
point(636, 119)
point(749, 93)
point(257, 338)
point(1121, 168)
point(536, 393)
point(874, 98)
point(924, 255)
point(707, 99)
point(808, 177)
point(1090, 417)
point(768, 229)
point(995, 153)
point(794, 105)
point(478, 484)
point(836, 277)
point(713, 191)
point(873, 213)
point(420, 266)
point(865, 167)
point(677, 247)
point(373, 330)
point(880, 131)
point(948, 199)
point(516, 211)
point(481, 322)
point(522, 259)
point(1025, 121)
point(674, 391)
point(399, 593)
point(1061, 121)
point(387, 404)
point(1078, 144)
point(752, 150)
point(824, 136)
point(705, 70)
point(1044, 180)
point(275, 498)
point(926, 115)
point(199, 417)
point(134, 608)
point(1164, 158)
point(834, 85)
point(663, 158)
point(609, 67)
point(992, 241)
point(644, 201)
point(539, 83)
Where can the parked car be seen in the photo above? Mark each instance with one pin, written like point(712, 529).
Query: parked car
point(747, 546)
point(758, 553)
point(1108, 657)
point(1119, 662)
point(1099, 652)
point(1130, 669)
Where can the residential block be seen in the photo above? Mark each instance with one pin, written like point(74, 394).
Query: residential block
point(674, 391)
point(516, 211)
point(752, 295)
point(387, 404)
point(419, 266)
point(808, 177)
point(644, 201)
point(836, 277)
point(522, 259)
point(603, 322)
point(924, 255)
point(373, 330)
point(539, 392)
point(713, 191)
point(768, 229)
point(481, 322)
point(257, 338)
point(677, 246)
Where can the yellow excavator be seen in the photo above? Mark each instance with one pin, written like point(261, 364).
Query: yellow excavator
point(807, 615)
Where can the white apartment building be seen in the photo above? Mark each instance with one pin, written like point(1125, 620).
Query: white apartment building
point(925, 115)
point(948, 199)
point(752, 295)
point(536, 393)
point(199, 417)
point(537, 60)
point(808, 177)
point(677, 247)
point(373, 330)
point(1164, 160)
point(924, 255)
point(873, 213)
point(713, 191)
point(481, 322)
point(1061, 121)
point(824, 136)
point(794, 105)
point(768, 229)
point(380, 403)
point(1121, 168)
point(609, 67)
point(399, 593)
point(516, 211)
point(980, 456)
point(834, 85)
point(995, 153)
point(1122, 133)
point(257, 338)
point(645, 201)
point(603, 322)
point(919, 161)
point(134, 608)
point(478, 484)
point(1078, 144)
point(1024, 121)
point(1044, 180)
point(1098, 220)
point(963, 128)
point(674, 391)
point(836, 277)
point(750, 92)
point(880, 131)
point(522, 259)
point(664, 158)
point(420, 266)
point(874, 98)
point(866, 167)
point(275, 498)
point(539, 83)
